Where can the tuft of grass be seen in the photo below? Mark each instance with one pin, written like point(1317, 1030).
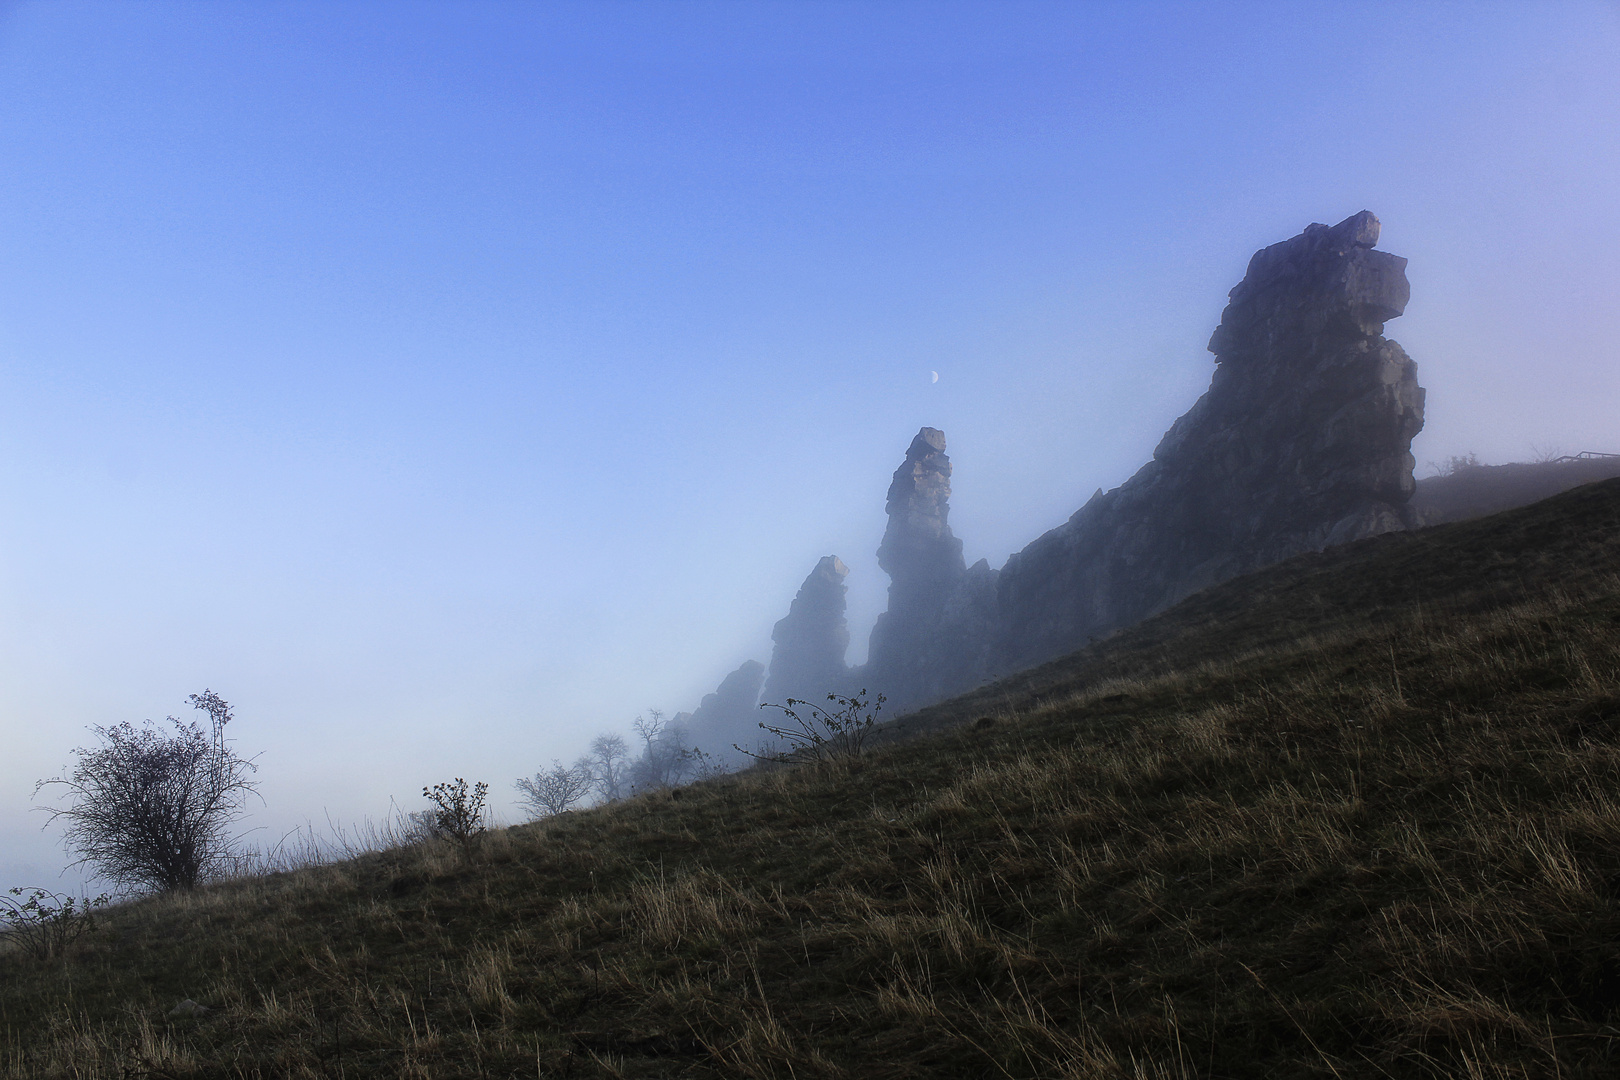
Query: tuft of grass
point(1355, 816)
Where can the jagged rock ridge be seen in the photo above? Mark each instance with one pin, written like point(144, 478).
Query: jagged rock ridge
point(1303, 440)
point(807, 662)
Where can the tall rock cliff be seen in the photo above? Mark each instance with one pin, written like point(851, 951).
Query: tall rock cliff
point(728, 716)
point(934, 638)
point(808, 659)
point(1303, 440)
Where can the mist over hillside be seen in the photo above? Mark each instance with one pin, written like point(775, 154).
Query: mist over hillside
point(482, 410)
point(448, 389)
point(1469, 489)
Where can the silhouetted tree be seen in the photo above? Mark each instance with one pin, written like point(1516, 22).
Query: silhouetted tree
point(608, 761)
point(556, 789)
point(152, 809)
point(665, 759)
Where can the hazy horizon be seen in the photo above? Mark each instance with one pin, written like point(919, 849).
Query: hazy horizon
point(446, 384)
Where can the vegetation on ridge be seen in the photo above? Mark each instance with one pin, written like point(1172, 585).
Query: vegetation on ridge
point(1358, 815)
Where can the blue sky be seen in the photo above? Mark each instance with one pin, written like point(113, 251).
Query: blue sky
point(447, 383)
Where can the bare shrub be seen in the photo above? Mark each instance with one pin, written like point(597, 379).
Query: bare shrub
point(816, 734)
point(704, 765)
point(458, 811)
point(46, 923)
point(153, 810)
point(556, 789)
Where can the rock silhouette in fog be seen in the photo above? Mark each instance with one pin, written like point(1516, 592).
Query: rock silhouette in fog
point(1303, 440)
point(729, 715)
point(808, 659)
point(934, 638)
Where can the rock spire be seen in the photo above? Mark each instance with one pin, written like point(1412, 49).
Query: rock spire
point(933, 639)
point(808, 659)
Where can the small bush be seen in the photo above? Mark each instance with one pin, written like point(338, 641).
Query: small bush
point(817, 734)
point(458, 813)
point(46, 923)
point(1456, 463)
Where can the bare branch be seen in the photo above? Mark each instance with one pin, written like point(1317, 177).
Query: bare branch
point(816, 734)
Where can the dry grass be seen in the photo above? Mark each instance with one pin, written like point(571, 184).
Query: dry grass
point(1313, 824)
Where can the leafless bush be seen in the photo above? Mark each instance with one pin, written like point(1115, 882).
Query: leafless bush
point(705, 766)
point(46, 923)
point(816, 734)
point(152, 810)
point(556, 789)
point(458, 812)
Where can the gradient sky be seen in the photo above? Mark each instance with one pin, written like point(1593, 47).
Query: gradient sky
point(444, 384)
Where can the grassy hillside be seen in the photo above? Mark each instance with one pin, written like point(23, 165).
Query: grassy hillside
point(1358, 815)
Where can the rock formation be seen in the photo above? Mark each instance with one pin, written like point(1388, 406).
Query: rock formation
point(808, 660)
point(1303, 440)
point(729, 715)
point(934, 638)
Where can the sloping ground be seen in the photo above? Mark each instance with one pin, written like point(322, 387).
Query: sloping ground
point(1358, 815)
point(1564, 545)
point(1489, 489)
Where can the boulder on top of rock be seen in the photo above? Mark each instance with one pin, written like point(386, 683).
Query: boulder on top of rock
point(918, 549)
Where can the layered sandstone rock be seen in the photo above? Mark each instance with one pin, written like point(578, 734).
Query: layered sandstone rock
point(934, 638)
point(808, 659)
point(1303, 440)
